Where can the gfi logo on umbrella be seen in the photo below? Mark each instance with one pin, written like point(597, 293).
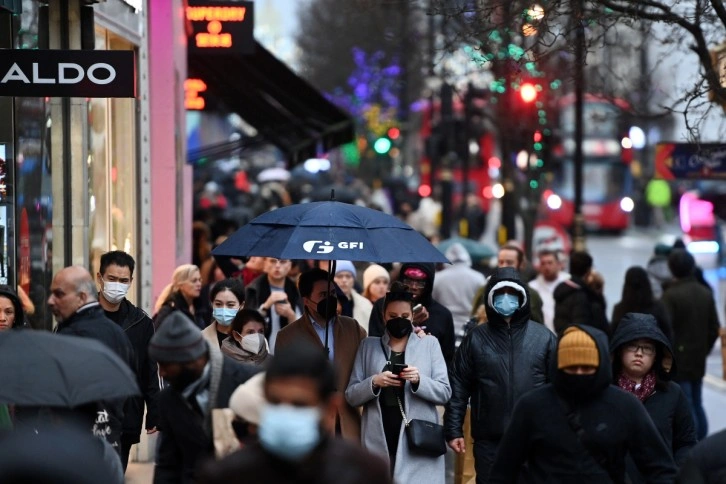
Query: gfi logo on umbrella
point(320, 247)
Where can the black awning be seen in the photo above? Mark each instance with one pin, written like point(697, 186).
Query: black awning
point(281, 106)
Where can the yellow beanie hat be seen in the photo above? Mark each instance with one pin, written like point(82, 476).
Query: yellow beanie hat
point(577, 348)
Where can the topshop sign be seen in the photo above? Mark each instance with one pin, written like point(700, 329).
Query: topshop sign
point(67, 73)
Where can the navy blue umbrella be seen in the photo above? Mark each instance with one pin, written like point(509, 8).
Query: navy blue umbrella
point(330, 231)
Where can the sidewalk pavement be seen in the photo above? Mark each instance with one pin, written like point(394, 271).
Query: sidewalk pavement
point(140, 473)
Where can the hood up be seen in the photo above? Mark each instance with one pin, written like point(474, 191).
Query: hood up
point(430, 270)
point(457, 254)
point(636, 326)
point(603, 376)
point(506, 277)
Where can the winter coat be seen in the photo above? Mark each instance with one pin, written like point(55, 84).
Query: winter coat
point(667, 406)
point(613, 421)
point(576, 303)
point(455, 288)
point(705, 464)
point(185, 436)
point(695, 326)
point(347, 335)
point(495, 365)
point(176, 302)
point(210, 334)
point(433, 389)
point(334, 461)
point(91, 322)
point(440, 322)
point(139, 329)
point(362, 308)
point(656, 309)
point(257, 292)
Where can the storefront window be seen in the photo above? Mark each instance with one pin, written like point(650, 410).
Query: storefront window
point(33, 223)
point(112, 155)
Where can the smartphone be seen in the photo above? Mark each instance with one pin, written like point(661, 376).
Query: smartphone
point(398, 368)
point(417, 308)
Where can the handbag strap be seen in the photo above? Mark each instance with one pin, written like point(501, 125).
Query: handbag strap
point(388, 363)
point(573, 420)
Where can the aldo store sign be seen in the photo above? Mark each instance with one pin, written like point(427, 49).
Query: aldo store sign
point(67, 73)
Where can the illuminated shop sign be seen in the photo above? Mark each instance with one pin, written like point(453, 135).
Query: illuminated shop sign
point(192, 98)
point(67, 73)
point(225, 27)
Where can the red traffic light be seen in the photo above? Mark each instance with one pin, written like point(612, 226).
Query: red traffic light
point(394, 133)
point(537, 136)
point(528, 92)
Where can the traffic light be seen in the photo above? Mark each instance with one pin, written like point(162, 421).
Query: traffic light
point(382, 145)
point(394, 133)
point(528, 92)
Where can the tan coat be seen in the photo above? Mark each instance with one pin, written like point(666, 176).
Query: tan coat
point(210, 334)
point(347, 337)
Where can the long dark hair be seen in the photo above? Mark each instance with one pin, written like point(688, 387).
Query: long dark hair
point(637, 292)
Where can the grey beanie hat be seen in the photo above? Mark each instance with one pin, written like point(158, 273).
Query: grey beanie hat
point(177, 340)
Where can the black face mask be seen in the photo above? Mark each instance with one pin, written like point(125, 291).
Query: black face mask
point(399, 327)
point(185, 377)
point(577, 387)
point(328, 307)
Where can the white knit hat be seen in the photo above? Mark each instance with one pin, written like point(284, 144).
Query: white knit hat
point(373, 272)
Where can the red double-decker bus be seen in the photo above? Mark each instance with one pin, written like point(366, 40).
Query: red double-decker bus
point(607, 179)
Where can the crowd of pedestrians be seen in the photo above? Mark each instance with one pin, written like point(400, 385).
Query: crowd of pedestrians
point(368, 373)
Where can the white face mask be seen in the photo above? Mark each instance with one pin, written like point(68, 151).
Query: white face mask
point(253, 343)
point(114, 292)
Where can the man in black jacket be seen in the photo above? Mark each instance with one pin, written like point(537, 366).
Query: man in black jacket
point(580, 428)
point(74, 303)
point(575, 302)
point(114, 278)
point(432, 318)
point(200, 379)
point(495, 365)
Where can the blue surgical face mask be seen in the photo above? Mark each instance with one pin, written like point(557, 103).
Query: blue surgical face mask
point(224, 316)
point(506, 304)
point(290, 433)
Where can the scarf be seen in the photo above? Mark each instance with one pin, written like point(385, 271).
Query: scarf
point(643, 391)
point(231, 348)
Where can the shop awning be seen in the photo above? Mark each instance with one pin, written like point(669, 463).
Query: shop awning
point(281, 106)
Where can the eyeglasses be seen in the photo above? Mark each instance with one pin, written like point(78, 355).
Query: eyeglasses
point(648, 350)
point(414, 283)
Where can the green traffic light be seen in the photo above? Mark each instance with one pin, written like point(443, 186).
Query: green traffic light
point(382, 146)
point(533, 184)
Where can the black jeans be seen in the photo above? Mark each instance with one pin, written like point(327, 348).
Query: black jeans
point(127, 440)
point(484, 453)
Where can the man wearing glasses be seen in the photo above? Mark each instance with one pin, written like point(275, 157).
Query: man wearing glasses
point(275, 296)
point(430, 316)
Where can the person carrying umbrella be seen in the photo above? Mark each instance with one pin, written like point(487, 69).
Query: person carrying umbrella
point(74, 303)
point(200, 379)
point(340, 335)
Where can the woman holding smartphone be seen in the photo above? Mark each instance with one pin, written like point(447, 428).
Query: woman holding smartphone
point(397, 374)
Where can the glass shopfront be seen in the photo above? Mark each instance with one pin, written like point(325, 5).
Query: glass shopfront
point(112, 163)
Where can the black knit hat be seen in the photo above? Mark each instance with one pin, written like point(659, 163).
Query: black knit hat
point(178, 340)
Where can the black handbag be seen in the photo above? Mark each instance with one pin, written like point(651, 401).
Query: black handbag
point(424, 437)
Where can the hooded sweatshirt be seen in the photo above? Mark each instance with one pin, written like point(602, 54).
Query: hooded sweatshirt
point(612, 421)
point(457, 285)
point(667, 406)
point(440, 322)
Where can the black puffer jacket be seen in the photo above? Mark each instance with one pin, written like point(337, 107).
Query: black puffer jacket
point(576, 303)
point(495, 365)
point(667, 406)
point(440, 322)
point(613, 421)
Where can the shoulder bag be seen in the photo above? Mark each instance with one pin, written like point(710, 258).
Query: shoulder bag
point(424, 437)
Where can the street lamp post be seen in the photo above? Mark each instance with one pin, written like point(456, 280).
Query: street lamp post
point(578, 224)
